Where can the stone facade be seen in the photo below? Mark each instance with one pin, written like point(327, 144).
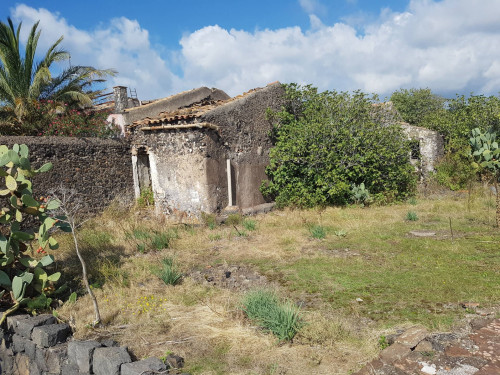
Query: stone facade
point(206, 156)
point(428, 148)
point(99, 170)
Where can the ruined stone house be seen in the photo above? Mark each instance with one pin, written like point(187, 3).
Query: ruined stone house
point(200, 150)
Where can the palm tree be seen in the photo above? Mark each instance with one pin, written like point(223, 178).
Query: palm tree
point(24, 82)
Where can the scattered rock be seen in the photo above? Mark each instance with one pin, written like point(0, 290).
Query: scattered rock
point(230, 277)
point(174, 361)
point(421, 233)
point(412, 337)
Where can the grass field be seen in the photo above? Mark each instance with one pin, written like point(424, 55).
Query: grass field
point(356, 273)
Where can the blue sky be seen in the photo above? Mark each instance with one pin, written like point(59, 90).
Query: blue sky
point(161, 47)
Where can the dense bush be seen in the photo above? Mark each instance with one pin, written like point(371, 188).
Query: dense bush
point(326, 142)
point(415, 104)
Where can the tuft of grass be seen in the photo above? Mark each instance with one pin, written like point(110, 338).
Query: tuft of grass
point(282, 319)
point(412, 201)
point(209, 220)
point(169, 272)
point(234, 219)
point(151, 240)
point(160, 241)
point(317, 231)
point(215, 237)
point(249, 224)
point(411, 216)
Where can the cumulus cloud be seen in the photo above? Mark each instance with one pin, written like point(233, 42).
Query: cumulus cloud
point(447, 45)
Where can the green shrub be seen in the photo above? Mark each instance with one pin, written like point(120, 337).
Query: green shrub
point(210, 220)
point(326, 142)
point(280, 318)
point(161, 240)
point(411, 216)
point(249, 224)
point(169, 272)
point(455, 171)
point(317, 231)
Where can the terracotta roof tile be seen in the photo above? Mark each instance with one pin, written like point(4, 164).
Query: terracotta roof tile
point(189, 114)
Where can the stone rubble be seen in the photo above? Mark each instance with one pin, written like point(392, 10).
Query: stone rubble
point(415, 352)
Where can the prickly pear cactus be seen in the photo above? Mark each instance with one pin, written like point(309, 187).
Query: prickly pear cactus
point(22, 251)
point(486, 155)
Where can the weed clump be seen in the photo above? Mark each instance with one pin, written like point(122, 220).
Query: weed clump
point(249, 224)
point(282, 319)
point(411, 216)
point(169, 272)
point(317, 231)
point(209, 220)
point(146, 198)
point(152, 240)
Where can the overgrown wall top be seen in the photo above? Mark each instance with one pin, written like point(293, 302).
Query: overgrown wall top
point(99, 170)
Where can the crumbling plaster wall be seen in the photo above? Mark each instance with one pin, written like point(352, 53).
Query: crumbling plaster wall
point(244, 130)
point(431, 145)
point(187, 169)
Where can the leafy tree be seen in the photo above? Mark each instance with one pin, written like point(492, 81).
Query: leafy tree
point(23, 81)
point(415, 104)
point(326, 142)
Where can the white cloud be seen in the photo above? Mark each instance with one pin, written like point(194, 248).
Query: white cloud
point(123, 45)
point(312, 6)
point(447, 45)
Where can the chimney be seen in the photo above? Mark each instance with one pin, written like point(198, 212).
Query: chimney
point(121, 98)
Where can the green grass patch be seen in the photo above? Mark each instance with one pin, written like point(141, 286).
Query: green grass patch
point(420, 280)
point(317, 231)
point(280, 318)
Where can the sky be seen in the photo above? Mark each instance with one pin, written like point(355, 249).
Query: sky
point(161, 47)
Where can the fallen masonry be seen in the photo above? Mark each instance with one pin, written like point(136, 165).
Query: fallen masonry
point(38, 345)
point(415, 351)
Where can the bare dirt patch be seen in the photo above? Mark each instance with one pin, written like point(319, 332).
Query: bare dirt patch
point(233, 277)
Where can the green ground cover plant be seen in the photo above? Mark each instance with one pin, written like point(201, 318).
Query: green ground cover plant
point(282, 319)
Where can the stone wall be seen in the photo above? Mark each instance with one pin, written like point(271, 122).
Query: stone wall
point(245, 130)
point(430, 147)
point(99, 170)
point(38, 345)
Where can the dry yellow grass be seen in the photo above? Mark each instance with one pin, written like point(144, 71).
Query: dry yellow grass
point(204, 324)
